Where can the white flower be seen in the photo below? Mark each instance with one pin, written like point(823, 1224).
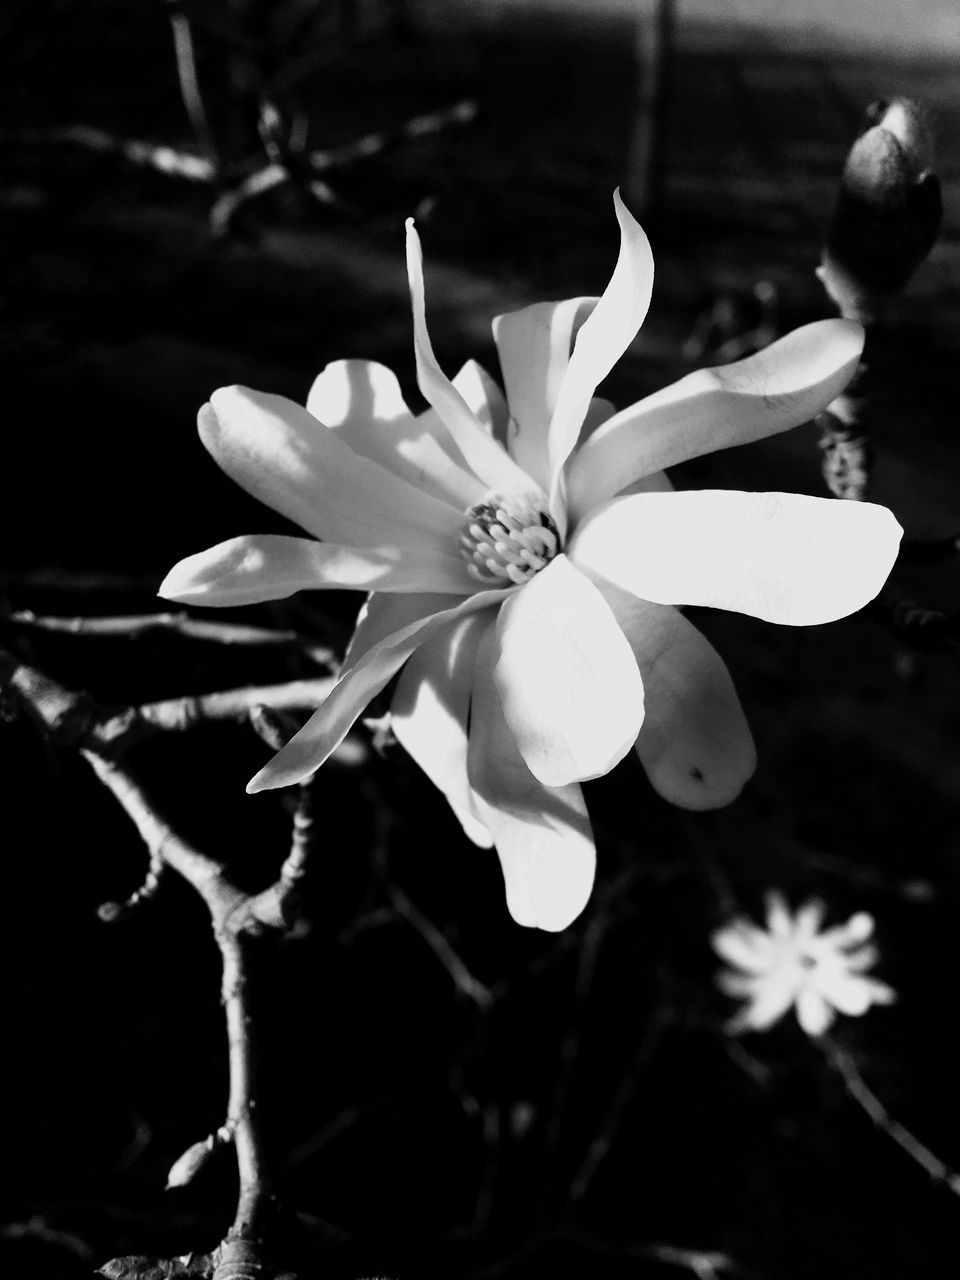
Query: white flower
point(526, 556)
point(791, 963)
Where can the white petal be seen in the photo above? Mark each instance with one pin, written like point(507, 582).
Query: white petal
point(249, 569)
point(327, 727)
point(783, 557)
point(744, 946)
point(282, 455)
point(542, 834)
point(768, 1006)
point(534, 348)
point(429, 715)
point(601, 341)
point(363, 402)
point(695, 744)
point(568, 680)
point(853, 995)
point(856, 930)
point(741, 986)
point(486, 458)
point(779, 918)
point(382, 615)
point(808, 920)
point(813, 1012)
point(484, 399)
point(786, 384)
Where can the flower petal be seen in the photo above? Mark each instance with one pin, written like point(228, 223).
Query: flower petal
point(382, 615)
point(695, 744)
point(429, 715)
point(744, 946)
point(789, 382)
point(768, 1006)
point(328, 726)
point(602, 340)
point(784, 557)
point(284, 457)
point(484, 399)
point(568, 680)
point(779, 918)
point(363, 402)
point(486, 458)
point(542, 834)
point(851, 934)
point(534, 348)
point(813, 1012)
point(255, 567)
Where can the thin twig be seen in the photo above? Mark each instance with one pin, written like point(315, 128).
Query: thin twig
point(858, 1089)
point(463, 980)
point(190, 84)
point(181, 624)
point(612, 1123)
point(112, 912)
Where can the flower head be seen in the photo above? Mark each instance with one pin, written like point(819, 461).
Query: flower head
point(526, 556)
point(792, 963)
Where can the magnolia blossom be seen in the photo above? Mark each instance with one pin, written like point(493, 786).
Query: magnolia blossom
point(526, 556)
point(791, 963)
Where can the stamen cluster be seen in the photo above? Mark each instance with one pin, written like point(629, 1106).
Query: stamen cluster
point(508, 538)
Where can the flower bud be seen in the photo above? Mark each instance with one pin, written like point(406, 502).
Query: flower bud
point(186, 1168)
point(888, 211)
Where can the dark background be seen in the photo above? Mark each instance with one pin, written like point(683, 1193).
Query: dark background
point(119, 314)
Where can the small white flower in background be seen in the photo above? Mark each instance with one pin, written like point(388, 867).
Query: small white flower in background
point(526, 557)
point(792, 964)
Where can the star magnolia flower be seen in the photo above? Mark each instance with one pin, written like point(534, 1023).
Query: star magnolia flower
point(526, 556)
point(791, 963)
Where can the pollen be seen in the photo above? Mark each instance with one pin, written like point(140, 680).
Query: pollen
point(508, 538)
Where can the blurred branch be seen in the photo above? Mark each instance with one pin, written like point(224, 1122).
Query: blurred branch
point(249, 179)
point(612, 1123)
point(189, 83)
point(181, 624)
point(858, 1089)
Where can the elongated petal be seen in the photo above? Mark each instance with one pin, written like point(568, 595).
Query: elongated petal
point(362, 401)
point(382, 615)
point(813, 1012)
point(429, 715)
point(325, 730)
point(695, 744)
point(743, 946)
point(484, 399)
point(784, 557)
point(534, 348)
point(249, 569)
point(771, 1002)
point(807, 922)
point(853, 995)
point(568, 680)
point(542, 834)
point(602, 340)
point(789, 382)
point(282, 455)
point(488, 460)
point(779, 918)
point(850, 934)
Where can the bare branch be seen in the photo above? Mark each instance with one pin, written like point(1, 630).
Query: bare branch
point(858, 1089)
point(181, 624)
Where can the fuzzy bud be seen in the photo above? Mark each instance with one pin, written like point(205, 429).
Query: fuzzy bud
point(888, 211)
point(185, 1169)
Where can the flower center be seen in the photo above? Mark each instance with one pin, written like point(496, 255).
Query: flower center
point(508, 538)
